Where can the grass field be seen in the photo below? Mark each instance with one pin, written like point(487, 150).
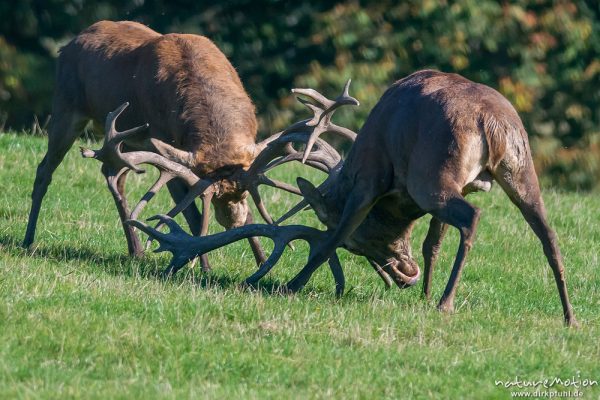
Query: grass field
point(79, 319)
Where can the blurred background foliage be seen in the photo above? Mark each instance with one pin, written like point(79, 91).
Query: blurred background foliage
point(542, 55)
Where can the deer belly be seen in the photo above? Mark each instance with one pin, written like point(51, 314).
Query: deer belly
point(482, 183)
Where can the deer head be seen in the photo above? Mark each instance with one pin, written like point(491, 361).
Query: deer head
point(383, 243)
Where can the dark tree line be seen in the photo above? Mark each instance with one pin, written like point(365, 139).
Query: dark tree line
point(543, 55)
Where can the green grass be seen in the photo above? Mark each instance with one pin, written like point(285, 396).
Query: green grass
point(79, 319)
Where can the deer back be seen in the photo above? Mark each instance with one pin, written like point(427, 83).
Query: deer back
point(182, 85)
point(432, 124)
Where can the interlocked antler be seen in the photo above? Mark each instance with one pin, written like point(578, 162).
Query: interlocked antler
point(185, 247)
point(278, 149)
point(323, 112)
point(270, 153)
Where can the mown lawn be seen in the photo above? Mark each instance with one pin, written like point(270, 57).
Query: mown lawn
point(79, 319)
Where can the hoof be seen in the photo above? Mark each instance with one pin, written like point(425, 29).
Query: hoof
point(286, 290)
point(167, 274)
point(572, 323)
point(245, 285)
point(446, 307)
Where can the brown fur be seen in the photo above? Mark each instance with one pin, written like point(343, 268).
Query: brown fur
point(431, 139)
point(182, 85)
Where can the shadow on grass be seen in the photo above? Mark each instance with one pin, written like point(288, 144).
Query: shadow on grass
point(124, 265)
point(60, 253)
point(213, 280)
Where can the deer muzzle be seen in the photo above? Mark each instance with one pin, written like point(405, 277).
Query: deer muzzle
point(405, 272)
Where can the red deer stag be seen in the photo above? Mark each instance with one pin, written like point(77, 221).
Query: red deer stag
point(181, 85)
point(431, 139)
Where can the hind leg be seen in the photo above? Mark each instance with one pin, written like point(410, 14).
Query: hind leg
point(445, 203)
point(61, 136)
point(431, 248)
point(456, 211)
point(524, 191)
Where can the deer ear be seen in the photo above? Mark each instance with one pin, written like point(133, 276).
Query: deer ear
point(313, 197)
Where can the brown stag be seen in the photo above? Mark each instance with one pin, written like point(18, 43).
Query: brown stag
point(182, 85)
point(431, 139)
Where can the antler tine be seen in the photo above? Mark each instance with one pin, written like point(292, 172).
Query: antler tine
point(345, 97)
point(340, 130)
point(321, 120)
point(121, 136)
point(342, 100)
point(174, 241)
point(156, 234)
point(315, 163)
point(203, 188)
point(338, 275)
point(311, 142)
point(260, 206)
point(316, 96)
point(264, 269)
point(111, 120)
point(264, 180)
point(185, 247)
point(199, 189)
point(163, 178)
point(303, 204)
point(110, 153)
point(113, 178)
point(113, 137)
point(169, 221)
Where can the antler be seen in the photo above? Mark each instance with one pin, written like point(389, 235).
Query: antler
point(185, 247)
point(323, 111)
point(278, 149)
point(111, 154)
point(272, 152)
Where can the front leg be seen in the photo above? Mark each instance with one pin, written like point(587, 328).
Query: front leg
point(356, 209)
point(198, 223)
point(116, 185)
point(259, 254)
